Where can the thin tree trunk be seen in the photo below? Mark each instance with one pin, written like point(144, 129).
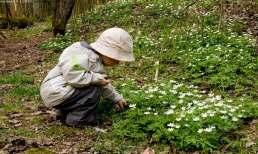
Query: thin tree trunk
point(8, 11)
point(62, 13)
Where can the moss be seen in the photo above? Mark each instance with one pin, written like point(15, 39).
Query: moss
point(39, 151)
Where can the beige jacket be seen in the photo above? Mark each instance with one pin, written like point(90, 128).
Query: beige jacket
point(78, 66)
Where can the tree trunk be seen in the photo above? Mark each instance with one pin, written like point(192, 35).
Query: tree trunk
point(8, 11)
point(62, 13)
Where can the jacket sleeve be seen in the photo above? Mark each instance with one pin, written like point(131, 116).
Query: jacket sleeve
point(111, 94)
point(76, 72)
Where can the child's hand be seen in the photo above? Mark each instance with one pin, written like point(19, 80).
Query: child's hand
point(121, 105)
point(103, 82)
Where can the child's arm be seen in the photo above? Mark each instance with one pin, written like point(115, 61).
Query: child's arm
point(110, 93)
point(76, 72)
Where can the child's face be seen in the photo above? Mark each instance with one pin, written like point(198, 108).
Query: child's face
point(109, 61)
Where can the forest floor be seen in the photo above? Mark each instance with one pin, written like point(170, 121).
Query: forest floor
point(26, 126)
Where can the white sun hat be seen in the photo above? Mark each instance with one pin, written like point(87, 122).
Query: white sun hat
point(115, 43)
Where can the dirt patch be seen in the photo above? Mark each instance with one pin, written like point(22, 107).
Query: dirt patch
point(16, 54)
point(245, 13)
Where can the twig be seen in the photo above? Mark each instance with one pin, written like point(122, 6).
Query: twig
point(221, 14)
point(157, 71)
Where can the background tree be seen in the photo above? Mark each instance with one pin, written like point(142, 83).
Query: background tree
point(62, 13)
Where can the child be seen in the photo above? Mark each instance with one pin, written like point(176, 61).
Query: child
point(74, 86)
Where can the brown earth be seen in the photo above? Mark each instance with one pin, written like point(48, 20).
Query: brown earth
point(16, 54)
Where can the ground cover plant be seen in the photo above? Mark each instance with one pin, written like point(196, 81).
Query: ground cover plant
point(205, 91)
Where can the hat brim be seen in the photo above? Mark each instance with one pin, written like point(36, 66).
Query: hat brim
point(112, 52)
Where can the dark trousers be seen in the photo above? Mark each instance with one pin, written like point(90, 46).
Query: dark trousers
point(81, 108)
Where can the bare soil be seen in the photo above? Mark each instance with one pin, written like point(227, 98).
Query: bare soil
point(16, 54)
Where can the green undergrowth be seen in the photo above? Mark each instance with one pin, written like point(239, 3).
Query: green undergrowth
point(16, 78)
point(20, 87)
point(207, 81)
point(179, 114)
point(58, 43)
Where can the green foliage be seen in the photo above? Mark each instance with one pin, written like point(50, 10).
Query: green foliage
point(16, 78)
point(191, 49)
point(224, 59)
point(24, 90)
point(58, 43)
point(39, 151)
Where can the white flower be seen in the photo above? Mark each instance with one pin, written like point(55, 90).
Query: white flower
point(163, 92)
point(149, 108)
point(124, 84)
point(182, 115)
point(224, 117)
point(182, 95)
point(200, 130)
point(155, 113)
point(234, 119)
point(232, 110)
point(204, 115)
point(172, 81)
point(218, 97)
point(171, 125)
point(240, 116)
point(132, 106)
point(187, 125)
point(211, 94)
point(181, 101)
point(196, 119)
point(178, 119)
point(170, 129)
point(211, 114)
point(164, 102)
point(177, 126)
point(162, 84)
point(146, 113)
point(230, 100)
point(223, 112)
point(203, 91)
point(209, 129)
point(172, 106)
point(168, 112)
